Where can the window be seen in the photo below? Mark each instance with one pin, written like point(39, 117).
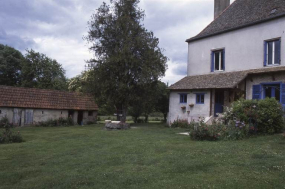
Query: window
point(183, 98)
point(272, 91)
point(42, 112)
point(218, 60)
point(61, 112)
point(200, 98)
point(0, 111)
point(90, 113)
point(272, 52)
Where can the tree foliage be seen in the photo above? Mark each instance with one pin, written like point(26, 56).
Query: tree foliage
point(40, 71)
point(127, 56)
point(10, 65)
point(33, 70)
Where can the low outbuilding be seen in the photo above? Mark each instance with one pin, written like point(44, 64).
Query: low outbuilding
point(28, 106)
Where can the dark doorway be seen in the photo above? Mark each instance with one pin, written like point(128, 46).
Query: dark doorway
point(80, 117)
point(219, 102)
point(70, 114)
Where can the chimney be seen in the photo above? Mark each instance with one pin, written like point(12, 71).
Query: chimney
point(220, 6)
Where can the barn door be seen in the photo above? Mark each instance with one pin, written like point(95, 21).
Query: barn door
point(29, 117)
point(17, 114)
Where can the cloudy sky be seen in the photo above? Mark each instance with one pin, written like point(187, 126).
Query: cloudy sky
point(56, 28)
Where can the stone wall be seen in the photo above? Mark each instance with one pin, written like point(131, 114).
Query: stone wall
point(40, 115)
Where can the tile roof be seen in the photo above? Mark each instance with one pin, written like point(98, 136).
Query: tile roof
point(45, 99)
point(220, 80)
point(242, 13)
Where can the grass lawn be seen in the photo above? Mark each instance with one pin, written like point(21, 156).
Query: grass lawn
point(149, 156)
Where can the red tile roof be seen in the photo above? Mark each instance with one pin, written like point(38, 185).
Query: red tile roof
point(45, 99)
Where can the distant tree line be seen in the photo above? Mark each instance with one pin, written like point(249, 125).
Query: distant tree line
point(34, 70)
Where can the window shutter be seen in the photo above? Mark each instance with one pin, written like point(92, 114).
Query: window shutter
point(256, 92)
point(283, 94)
point(279, 52)
point(223, 68)
point(265, 53)
point(212, 61)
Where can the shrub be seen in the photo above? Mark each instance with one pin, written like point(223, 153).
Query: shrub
point(4, 122)
point(270, 116)
point(180, 123)
point(56, 123)
point(8, 136)
point(266, 115)
point(232, 131)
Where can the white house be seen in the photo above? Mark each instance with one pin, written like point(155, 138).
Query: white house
point(240, 54)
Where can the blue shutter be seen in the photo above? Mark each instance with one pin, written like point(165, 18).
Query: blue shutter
point(283, 94)
point(279, 51)
point(256, 92)
point(224, 66)
point(212, 61)
point(265, 53)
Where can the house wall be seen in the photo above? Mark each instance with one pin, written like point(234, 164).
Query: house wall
point(45, 114)
point(7, 112)
point(199, 110)
point(40, 115)
point(243, 48)
point(264, 78)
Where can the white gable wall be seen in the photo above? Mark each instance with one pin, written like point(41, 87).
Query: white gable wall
point(244, 48)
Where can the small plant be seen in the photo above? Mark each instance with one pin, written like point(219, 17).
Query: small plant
point(8, 136)
point(191, 105)
point(183, 107)
point(180, 123)
point(4, 122)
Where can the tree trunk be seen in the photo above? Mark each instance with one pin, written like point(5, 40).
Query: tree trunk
point(164, 118)
point(146, 118)
point(124, 114)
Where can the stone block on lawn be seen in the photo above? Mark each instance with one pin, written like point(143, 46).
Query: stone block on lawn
point(117, 126)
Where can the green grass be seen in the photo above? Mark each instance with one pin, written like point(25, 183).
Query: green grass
point(149, 156)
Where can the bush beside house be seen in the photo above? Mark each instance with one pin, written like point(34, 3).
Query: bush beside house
point(242, 119)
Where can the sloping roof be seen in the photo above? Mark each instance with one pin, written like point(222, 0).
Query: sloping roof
point(44, 99)
point(220, 80)
point(243, 13)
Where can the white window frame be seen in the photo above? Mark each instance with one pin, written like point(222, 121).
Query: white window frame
point(220, 60)
point(273, 53)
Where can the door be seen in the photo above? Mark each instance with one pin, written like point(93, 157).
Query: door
point(219, 102)
point(29, 117)
point(80, 118)
point(17, 114)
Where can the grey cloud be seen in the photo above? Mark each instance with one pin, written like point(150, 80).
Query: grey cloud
point(180, 69)
point(15, 41)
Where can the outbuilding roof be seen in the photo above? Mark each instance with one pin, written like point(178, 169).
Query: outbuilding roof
point(224, 80)
point(44, 99)
point(243, 13)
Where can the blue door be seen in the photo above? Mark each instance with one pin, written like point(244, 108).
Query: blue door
point(219, 102)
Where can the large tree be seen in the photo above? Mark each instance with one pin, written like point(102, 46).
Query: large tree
point(40, 71)
point(127, 55)
point(10, 65)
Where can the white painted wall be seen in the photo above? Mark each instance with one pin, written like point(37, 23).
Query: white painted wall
point(7, 112)
point(45, 115)
point(243, 48)
point(199, 110)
